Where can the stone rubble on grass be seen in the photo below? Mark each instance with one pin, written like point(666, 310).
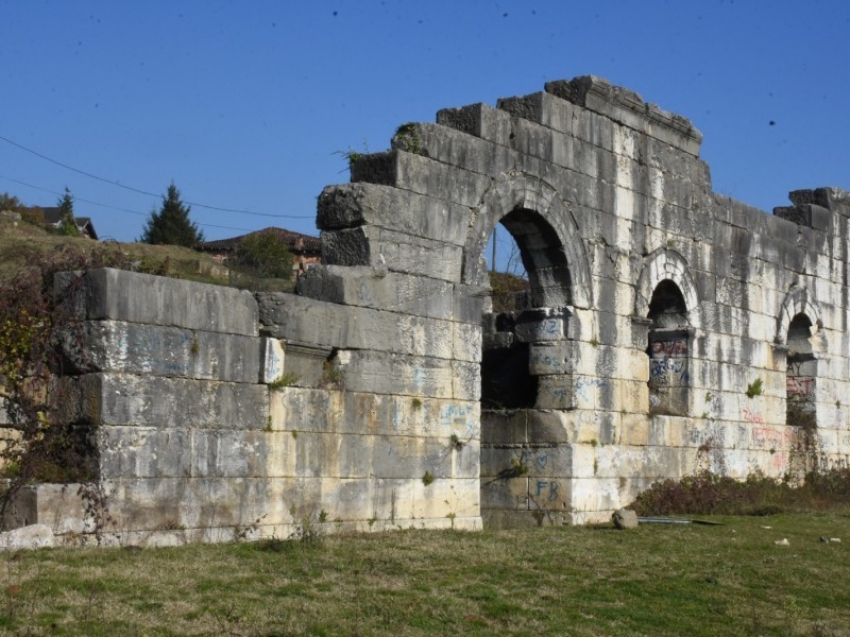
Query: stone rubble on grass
point(624, 519)
point(34, 536)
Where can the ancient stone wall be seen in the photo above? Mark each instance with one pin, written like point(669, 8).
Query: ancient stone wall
point(657, 341)
point(212, 424)
point(668, 330)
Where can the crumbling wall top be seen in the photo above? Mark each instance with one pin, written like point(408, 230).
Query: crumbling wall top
point(628, 108)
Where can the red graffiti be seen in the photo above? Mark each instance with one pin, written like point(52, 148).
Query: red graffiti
point(769, 438)
point(799, 386)
point(753, 417)
point(669, 348)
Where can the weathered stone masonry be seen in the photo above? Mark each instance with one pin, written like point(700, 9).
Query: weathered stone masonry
point(669, 330)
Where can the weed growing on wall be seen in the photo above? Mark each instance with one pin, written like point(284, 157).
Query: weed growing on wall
point(455, 442)
point(352, 155)
point(288, 379)
point(50, 446)
point(332, 376)
point(407, 138)
point(755, 388)
point(518, 468)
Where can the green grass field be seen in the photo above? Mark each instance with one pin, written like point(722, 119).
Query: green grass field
point(656, 580)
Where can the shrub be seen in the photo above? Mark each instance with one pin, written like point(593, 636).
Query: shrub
point(708, 494)
point(32, 324)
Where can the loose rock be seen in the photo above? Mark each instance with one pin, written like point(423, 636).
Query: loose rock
point(624, 519)
point(34, 536)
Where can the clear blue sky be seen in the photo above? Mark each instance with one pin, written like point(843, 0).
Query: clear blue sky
point(245, 105)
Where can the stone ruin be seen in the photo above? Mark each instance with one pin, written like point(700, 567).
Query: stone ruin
point(668, 330)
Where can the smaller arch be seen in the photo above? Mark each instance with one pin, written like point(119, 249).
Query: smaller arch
point(797, 302)
point(667, 265)
point(533, 211)
point(668, 351)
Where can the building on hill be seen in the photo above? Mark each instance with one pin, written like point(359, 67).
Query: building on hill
point(52, 217)
point(305, 249)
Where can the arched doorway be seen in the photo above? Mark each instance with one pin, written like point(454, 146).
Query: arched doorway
point(518, 318)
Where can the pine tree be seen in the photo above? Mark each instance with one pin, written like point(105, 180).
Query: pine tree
point(171, 225)
point(67, 222)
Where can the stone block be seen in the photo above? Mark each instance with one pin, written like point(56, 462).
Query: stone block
point(504, 427)
point(60, 507)
point(480, 120)
point(343, 500)
point(386, 373)
point(132, 348)
point(466, 342)
point(397, 251)
point(530, 138)
point(552, 357)
point(599, 494)
point(628, 108)
point(328, 325)
point(556, 392)
point(356, 204)
point(145, 452)
point(421, 175)
point(35, 536)
point(541, 325)
point(376, 288)
point(227, 453)
point(502, 461)
point(510, 494)
point(665, 431)
point(272, 360)
point(455, 148)
point(634, 429)
point(119, 295)
point(558, 427)
point(148, 401)
point(165, 504)
point(549, 462)
point(297, 409)
point(548, 494)
point(506, 519)
point(408, 499)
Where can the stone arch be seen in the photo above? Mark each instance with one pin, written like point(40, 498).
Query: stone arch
point(801, 336)
point(546, 232)
point(797, 302)
point(667, 300)
point(666, 264)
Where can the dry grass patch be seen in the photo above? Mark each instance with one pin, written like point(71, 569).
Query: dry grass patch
point(22, 244)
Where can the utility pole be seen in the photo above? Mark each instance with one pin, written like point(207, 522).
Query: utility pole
point(493, 261)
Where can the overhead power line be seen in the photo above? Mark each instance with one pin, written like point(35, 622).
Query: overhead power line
point(145, 192)
point(104, 205)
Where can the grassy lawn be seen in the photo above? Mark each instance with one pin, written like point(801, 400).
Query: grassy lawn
point(655, 580)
